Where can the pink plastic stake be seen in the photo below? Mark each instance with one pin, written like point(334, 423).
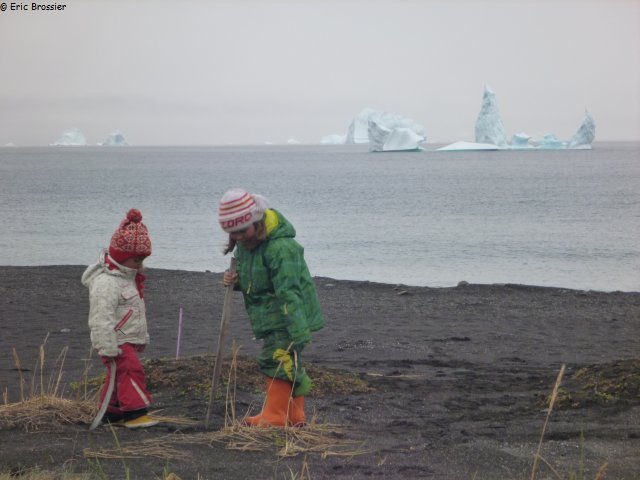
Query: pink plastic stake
point(179, 334)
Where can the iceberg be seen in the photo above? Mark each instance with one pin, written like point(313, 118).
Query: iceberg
point(334, 139)
point(359, 128)
point(551, 142)
point(520, 141)
point(459, 146)
point(115, 139)
point(490, 133)
point(586, 133)
point(489, 127)
point(383, 139)
point(72, 136)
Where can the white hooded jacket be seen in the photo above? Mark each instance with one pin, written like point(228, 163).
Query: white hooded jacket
point(117, 314)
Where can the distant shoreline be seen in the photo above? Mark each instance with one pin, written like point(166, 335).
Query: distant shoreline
point(462, 283)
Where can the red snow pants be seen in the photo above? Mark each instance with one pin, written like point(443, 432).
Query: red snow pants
point(130, 389)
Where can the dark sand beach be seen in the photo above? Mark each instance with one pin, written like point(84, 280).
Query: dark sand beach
point(455, 379)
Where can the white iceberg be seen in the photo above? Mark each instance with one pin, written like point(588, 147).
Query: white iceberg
point(115, 139)
point(383, 139)
point(551, 142)
point(293, 141)
point(459, 146)
point(334, 139)
point(586, 133)
point(520, 141)
point(72, 136)
point(359, 127)
point(489, 127)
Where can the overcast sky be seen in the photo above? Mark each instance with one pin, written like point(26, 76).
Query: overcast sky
point(248, 72)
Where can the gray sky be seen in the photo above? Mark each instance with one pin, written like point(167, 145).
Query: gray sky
point(247, 72)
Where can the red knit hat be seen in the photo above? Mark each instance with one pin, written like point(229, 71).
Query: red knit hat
point(131, 238)
point(238, 209)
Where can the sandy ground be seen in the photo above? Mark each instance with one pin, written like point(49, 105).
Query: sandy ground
point(458, 377)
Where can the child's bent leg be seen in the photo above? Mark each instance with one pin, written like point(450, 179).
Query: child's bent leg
point(130, 382)
point(114, 413)
point(133, 396)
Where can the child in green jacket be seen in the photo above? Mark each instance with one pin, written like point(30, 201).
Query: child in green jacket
point(280, 298)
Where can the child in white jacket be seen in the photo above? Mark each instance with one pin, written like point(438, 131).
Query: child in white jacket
point(118, 321)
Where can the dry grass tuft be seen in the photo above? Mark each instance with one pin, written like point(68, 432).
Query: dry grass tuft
point(43, 407)
point(324, 440)
point(177, 421)
point(154, 447)
point(45, 413)
point(321, 439)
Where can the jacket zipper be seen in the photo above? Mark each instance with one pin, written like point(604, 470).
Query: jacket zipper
point(253, 259)
point(124, 320)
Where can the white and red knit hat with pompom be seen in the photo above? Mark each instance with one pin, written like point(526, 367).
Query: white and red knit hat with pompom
point(238, 209)
point(131, 238)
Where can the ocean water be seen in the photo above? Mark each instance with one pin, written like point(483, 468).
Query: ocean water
point(553, 218)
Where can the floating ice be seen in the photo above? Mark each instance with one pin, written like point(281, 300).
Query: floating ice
point(359, 128)
point(115, 139)
point(468, 146)
point(293, 141)
point(72, 136)
point(551, 142)
point(520, 141)
point(386, 131)
point(334, 139)
point(490, 130)
point(585, 134)
point(383, 139)
point(489, 127)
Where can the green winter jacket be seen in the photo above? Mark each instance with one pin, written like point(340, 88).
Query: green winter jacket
point(279, 294)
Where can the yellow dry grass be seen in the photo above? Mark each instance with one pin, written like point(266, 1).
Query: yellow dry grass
point(320, 439)
point(45, 413)
point(42, 406)
point(537, 457)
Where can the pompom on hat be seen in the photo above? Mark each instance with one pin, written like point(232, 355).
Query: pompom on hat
point(238, 209)
point(131, 238)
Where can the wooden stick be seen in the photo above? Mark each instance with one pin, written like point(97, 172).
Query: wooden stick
point(217, 365)
point(179, 333)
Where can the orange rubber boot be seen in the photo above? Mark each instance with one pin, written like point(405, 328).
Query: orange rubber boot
point(276, 406)
point(296, 412)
